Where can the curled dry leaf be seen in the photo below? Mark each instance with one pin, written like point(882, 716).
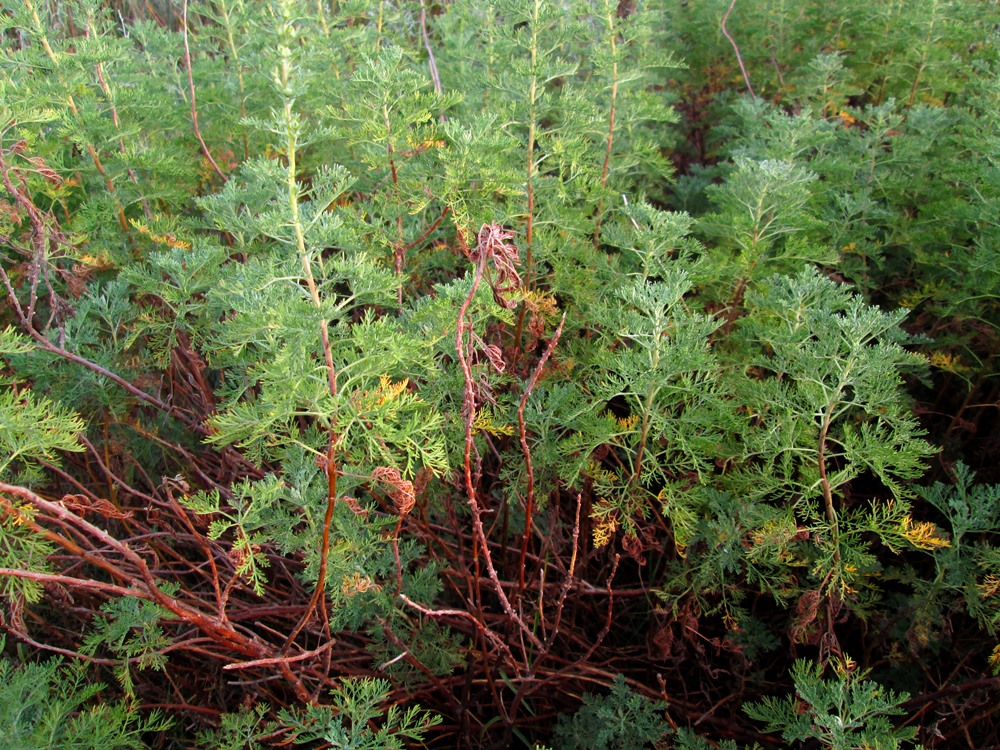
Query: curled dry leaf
point(400, 490)
point(492, 245)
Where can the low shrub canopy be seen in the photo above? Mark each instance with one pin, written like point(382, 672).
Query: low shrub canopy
point(462, 374)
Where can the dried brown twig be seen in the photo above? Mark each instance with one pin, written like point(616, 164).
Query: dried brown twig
point(491, 246)
point(736, 49)
point(194, 103)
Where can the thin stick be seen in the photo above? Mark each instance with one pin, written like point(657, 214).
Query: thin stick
point(106, 588)
point(399, 253)
point(529, 503)
point(22, 636)
point(461, 613)
point(567, 584)
point(114, 118)
point(430, 53)
point(194, 105)
point(291, 153)
point(279, 659)
point(736, 49)
point(484, 251)
point(144, 585)
point(611, 119)
point(331, 501)
point(430, 229)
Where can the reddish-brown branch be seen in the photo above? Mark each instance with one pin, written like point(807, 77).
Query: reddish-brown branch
point(608, 617)
point(430, 52)
point(22, 636)
point(430, 229)
point(108, 184)
point(319, 593)
point(529, 503)
point(481, 628)
point(736, 49)
point(203, 544)
point(110, 589)
point(276, 660)
point(417, 664)
point(143, 584)
point(399, 252)
point(567, 584)
point(831, 511)
point(114, 118)
point(69, 545)
point(194, 102)
point(583, 663)
point(490, 246)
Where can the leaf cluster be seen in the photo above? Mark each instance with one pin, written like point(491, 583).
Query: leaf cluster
point(275, 403)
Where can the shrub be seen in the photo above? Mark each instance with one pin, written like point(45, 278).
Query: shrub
point(370, 362)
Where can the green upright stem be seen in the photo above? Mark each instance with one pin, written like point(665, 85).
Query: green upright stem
point(532, 131)
point(291, 148)
point(234, 51)
point(530, 187)
point(610, 18)
point(831, 511)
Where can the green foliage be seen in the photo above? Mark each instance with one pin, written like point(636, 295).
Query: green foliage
point(249, 514)
point(688, 740)
point(354, 718)
point(32, 428)
point(818, 375)
point(21, 548)
point(130, 629)
point(826, 389)
point(841, 713)
point(966, 569)
point(237, 731)
point(620, 720)
point(270, 401)
point(350, 719)
point(49, 706)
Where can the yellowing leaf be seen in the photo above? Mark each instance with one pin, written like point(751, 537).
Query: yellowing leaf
point(606, 525)
point(923, 535)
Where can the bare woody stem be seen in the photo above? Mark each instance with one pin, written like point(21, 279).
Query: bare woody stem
point(564, 590)
point(399, 252)
point(114, 118)
point(924, 52)
point(529, 232)
point(529, 237)
point(291, 149)
point(736, 49)
point(194, 102)
point(831, 511)
point(142, 583)
point(469, 412)
point(432, 63)
point(529, 503)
